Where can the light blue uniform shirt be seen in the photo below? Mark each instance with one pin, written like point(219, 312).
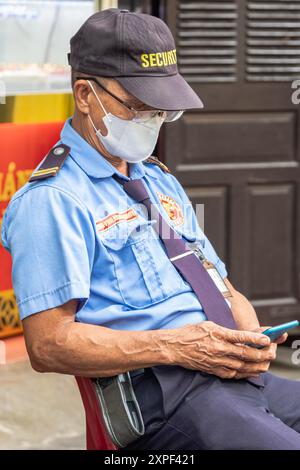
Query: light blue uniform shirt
point(79, 235)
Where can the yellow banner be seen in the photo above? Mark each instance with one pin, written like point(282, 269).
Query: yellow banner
point(10, 323)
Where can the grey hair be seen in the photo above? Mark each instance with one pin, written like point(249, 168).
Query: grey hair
point(76, 74)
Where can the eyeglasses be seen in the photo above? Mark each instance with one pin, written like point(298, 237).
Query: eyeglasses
point(139, 116)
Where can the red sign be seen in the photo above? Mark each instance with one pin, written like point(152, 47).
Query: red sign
point(22, 147)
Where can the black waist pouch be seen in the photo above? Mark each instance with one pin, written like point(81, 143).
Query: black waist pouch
point(120, 408)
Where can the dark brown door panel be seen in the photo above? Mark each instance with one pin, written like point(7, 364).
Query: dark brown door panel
point(211, 205)
point(240, 155)
point(237, 137)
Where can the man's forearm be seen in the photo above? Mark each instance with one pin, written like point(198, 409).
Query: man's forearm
point(242, 310)
point(95, 351)
point(56, 343)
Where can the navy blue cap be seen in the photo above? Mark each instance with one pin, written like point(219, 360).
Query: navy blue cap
point(136, 49)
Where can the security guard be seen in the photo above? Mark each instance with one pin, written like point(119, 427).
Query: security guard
point(86, 247)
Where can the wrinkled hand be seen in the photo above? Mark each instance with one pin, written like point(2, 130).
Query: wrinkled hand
point(273, 345)
point(279, 340)
point(220, 351)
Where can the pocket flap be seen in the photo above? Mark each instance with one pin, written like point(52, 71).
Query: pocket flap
point(127, 234)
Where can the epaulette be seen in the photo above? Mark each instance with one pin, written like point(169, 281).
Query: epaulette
point(157, 162)
point(52, 163)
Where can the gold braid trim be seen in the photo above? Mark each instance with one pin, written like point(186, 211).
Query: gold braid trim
point(157, 162)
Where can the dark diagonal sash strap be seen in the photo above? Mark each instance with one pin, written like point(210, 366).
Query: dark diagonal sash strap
point(184, 259)
point(186, 262)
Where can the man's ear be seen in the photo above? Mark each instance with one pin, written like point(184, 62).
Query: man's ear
point(82, 95)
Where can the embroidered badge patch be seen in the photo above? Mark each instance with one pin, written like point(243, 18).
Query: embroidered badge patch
point(172, 208)
point(116, 218)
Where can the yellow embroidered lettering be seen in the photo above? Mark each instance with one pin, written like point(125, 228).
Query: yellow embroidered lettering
point(170, 58)
point(175, 56)
point(152, 58)
point(165, 58)
point(145, 60)
point(159, 59)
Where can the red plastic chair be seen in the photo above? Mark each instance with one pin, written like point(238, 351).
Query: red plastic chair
point(97, 437)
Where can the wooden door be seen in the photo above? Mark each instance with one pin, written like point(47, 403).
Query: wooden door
point(240, 156)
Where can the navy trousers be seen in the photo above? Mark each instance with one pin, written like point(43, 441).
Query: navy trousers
point(191, 410)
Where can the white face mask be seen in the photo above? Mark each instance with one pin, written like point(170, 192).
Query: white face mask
point(132, 141)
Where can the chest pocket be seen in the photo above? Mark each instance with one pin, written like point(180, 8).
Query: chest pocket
point(143, 272)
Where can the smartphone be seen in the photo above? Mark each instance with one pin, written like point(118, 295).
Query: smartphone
point(276, 331)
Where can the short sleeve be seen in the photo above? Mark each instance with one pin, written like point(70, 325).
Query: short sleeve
point(51, 239)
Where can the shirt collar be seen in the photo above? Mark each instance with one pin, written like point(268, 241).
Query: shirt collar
point(90, 160)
